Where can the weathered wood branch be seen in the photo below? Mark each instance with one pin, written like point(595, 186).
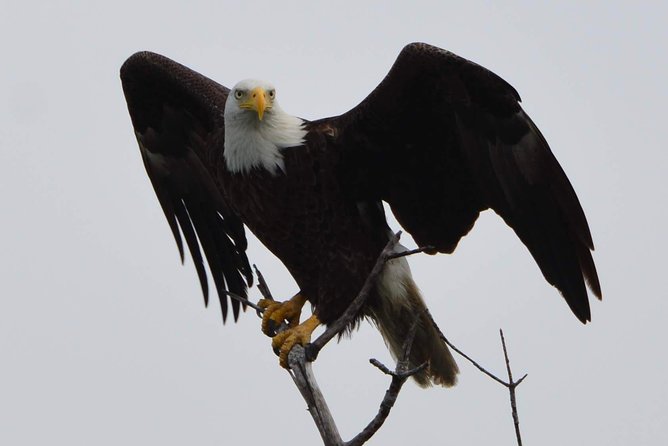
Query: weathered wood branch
point(300, 358)
point(301, 372)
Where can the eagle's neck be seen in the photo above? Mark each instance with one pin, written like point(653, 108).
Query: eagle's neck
point(251, 143)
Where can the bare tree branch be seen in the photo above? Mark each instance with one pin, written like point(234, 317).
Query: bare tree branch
point(301, 372)
point(302, 375)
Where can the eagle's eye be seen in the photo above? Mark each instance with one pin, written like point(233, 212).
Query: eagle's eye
point(272, 94)
point(238, 94)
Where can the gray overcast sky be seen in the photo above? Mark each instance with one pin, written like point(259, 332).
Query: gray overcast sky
point(104, 339)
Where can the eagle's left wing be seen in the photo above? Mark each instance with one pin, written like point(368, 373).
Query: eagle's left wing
point(177, 115)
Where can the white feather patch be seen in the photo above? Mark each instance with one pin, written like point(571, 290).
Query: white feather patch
point(251, 143)
point(394, 279)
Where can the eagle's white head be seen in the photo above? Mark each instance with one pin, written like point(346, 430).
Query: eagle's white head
point(256, 128)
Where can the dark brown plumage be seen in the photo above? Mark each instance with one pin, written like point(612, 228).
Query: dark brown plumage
point(440, 139)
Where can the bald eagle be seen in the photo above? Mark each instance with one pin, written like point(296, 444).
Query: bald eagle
point(439, 140)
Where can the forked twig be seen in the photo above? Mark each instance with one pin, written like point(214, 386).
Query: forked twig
point(399, 377)
point(510, 385)
point(511, 389)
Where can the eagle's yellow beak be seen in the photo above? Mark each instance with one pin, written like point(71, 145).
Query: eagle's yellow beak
point(257, 101)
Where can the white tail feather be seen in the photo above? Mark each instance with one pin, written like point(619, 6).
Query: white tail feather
point(399, 302)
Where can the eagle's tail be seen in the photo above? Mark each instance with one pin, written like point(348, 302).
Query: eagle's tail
point(399, 302)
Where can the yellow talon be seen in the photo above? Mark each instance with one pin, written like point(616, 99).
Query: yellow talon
point(283, 342)
point(277, 312)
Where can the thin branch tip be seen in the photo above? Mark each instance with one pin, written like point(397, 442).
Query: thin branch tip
point(410, 252)
point(380, 366)
point(245, 301)
point(262, 284)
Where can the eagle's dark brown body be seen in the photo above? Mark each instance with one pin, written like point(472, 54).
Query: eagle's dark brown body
point(311, 223)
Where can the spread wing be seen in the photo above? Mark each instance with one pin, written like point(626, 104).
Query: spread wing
point(441, 139)
point(177, 116)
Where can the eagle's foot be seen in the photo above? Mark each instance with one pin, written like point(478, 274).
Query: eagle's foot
point(277, 312)
point(283, 342)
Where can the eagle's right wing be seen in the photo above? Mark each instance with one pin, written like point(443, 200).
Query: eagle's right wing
point(177, 116)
